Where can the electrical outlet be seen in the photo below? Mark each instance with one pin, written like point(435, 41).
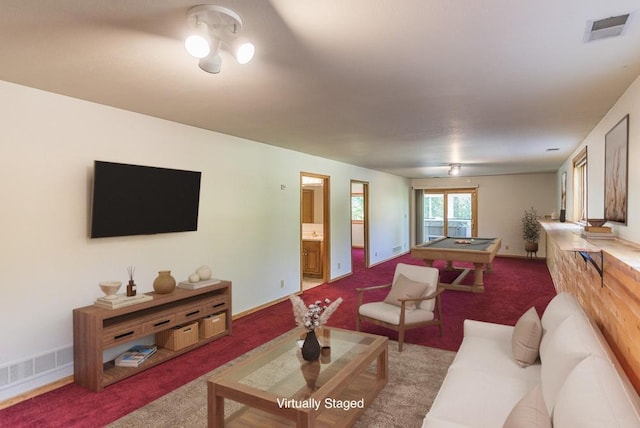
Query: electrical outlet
point(506, 247)
point(339, 265)
point(282, 283)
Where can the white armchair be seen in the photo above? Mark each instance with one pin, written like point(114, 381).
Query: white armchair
point(413, 301)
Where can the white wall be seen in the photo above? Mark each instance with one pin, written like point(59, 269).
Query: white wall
point(629, 104)
point(502, 200)
point(248, 229)
point(357, 235)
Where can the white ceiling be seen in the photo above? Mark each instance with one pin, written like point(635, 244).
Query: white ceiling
point(403, 86)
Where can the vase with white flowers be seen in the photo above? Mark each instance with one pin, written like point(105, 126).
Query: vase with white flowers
point(311, 317)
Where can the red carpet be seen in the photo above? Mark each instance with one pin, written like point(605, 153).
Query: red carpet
point(514, 286)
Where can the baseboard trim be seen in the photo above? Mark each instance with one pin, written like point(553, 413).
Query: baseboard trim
point(258, 308)
point(35, 392)
point(337, 278)
point(395, 256)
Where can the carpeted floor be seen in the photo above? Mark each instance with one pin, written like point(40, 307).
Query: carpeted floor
point(513, 287)
point(415, 376)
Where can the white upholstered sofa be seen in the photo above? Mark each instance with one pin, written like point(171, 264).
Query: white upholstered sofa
point(573, 381)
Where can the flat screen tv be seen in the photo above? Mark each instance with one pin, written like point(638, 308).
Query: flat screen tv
point(143, 200)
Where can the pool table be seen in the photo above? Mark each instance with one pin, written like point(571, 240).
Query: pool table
point(479, 251)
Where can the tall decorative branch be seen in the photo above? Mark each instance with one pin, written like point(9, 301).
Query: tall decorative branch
point(324, 317)
point(131, 270)
point(299, 310)
point(315, 315)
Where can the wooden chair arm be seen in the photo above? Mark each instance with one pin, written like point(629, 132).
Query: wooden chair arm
point(435, 294)
point(428, 297)
point(375, 287)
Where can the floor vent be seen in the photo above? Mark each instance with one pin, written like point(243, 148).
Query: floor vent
point(4, 376)
point(607, 27)
point(396, 249)
point(21, 371)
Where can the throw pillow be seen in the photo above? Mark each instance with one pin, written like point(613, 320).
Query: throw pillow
point(529, 412)
point(405, 288)
point(559, 309)
point(525, 340)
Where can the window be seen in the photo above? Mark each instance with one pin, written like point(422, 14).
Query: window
point(357, 207)
point(580, 186)
point(450, 212)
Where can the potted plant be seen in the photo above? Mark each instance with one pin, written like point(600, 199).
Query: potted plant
point(530, 230)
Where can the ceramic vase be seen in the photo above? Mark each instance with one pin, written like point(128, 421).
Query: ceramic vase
point(311, 347)
point(164, 283)
point(204, 272)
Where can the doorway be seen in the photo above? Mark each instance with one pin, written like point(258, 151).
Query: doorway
point(359, 225)
point(314, 230)
point(451, 212)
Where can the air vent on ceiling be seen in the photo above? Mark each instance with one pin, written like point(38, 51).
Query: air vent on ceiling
point(607, 27)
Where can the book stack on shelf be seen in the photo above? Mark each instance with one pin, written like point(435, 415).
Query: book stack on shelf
point(136, 355)
point(199, 284)
point(597, 232)
point(121, 301)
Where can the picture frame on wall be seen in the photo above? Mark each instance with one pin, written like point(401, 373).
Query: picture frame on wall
point(616, 165)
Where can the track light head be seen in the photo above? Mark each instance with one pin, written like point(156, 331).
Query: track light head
point(215, 27)
point(197, 45)
point(245, 52)
point(211, 64)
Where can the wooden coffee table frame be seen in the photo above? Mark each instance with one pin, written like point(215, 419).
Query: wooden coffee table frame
point(351, 382)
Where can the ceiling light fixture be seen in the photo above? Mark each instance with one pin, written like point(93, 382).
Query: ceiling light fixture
point(215, 28)
point(454, 169)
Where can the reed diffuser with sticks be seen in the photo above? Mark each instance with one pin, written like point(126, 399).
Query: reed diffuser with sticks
point(131, 287)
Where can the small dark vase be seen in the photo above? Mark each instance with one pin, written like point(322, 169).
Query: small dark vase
point(311, 347)
point(131, 288)
point(563, 216)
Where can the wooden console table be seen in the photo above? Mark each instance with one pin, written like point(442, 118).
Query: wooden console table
point(96, 329)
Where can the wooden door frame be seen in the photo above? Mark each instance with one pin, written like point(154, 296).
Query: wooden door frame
point(326, 247)
point(474, 204)
point(365, 192)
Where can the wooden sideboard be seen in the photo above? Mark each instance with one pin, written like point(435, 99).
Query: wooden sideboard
point(96, 329)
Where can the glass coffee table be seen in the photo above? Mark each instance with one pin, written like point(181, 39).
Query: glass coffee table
point(276, 387)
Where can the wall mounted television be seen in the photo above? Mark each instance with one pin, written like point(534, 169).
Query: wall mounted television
point(143, 200)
